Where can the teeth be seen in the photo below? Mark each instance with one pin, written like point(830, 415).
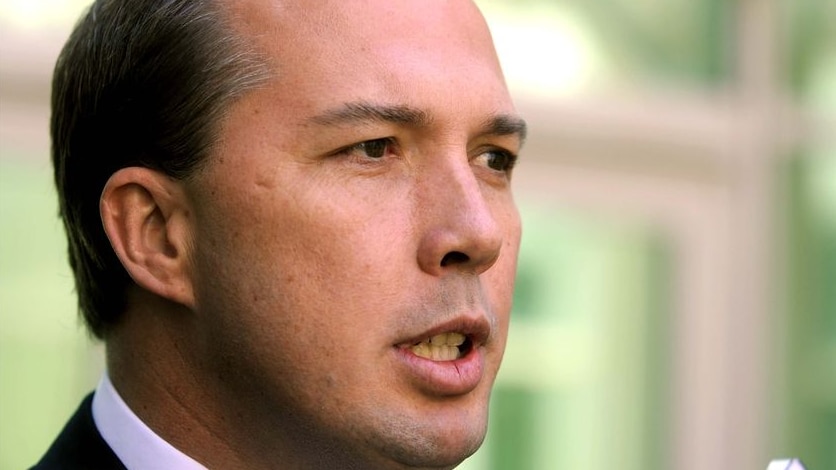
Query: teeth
point(443, 347)
point(448, 339)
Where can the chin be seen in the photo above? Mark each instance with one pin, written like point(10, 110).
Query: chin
point(431, 445)
point(435, 458)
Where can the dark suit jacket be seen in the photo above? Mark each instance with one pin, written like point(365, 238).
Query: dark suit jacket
point(80, 446)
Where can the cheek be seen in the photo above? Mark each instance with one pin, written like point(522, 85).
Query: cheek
point(499, 280)
point(308, 258)
point(298, 287)
point(498, 283)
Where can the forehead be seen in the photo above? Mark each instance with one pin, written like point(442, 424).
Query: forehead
point(355, 24)
point(379, 50)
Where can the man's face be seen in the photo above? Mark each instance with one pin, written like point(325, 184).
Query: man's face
point(358, 206)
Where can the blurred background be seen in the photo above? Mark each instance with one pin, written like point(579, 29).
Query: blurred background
point(676, 301)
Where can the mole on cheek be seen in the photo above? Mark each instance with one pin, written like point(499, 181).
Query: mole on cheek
point(266, 179)
point(266, 182)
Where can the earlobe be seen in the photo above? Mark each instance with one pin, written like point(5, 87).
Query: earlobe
point(146, 217)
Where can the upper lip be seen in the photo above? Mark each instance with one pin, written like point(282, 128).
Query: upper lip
point(477, 328)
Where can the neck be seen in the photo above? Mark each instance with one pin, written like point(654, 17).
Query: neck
point(166, 373)
point(150, 360)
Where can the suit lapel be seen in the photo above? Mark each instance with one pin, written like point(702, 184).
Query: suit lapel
point(80, 446)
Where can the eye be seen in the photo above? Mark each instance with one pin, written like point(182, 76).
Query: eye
point(497, 159)
point(374, 149)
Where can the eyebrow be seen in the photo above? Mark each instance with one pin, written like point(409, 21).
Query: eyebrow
point(505, 124)
point(360, 112)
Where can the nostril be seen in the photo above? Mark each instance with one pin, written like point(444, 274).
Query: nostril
point(454, 257)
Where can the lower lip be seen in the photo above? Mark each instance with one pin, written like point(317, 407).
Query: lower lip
point(444, 378)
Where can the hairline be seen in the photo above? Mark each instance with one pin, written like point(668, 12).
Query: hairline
point(233, 68)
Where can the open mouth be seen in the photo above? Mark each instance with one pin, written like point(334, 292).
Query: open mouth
point(447, 359)
point(443, 347)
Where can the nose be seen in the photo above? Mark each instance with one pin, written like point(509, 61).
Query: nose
point(461, 231)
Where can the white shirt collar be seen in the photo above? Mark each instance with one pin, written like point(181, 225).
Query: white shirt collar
point(136, 445)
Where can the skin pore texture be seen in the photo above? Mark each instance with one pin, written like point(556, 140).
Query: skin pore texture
point(357, 204)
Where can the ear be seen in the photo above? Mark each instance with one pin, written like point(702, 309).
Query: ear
point(146, 216)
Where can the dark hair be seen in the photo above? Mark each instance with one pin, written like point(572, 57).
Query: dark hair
point(139, 83)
